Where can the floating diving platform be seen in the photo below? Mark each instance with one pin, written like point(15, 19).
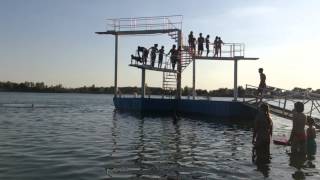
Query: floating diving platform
point(171, 82)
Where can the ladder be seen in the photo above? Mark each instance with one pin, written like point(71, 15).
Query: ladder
point(169, 83)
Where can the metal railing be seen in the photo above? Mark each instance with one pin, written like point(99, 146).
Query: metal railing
point(166, 63)
point(145, 23)
point(283, 98)
point(227, 50)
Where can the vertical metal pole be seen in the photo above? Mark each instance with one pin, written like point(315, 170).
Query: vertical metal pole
point(179, 67)
point(194, 79)
point(116, 67)
point(311, 108)
point(284, 105)
point(235, 80)
point(143, 83)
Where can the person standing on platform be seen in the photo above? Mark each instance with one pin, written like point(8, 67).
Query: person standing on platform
point(215, 46)
point(200, 44)
point(262, 84)
point(190, 39)
point(207, 44)
point(145, 54)
point(174, 54)
point(161, 52)
point(193, 46)
point(220, 43)
point(154, 50)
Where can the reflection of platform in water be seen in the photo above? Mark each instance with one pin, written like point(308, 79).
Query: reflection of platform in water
point(149, 67)
point(225, 58)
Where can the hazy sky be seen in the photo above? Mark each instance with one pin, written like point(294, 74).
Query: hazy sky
point(53, 41)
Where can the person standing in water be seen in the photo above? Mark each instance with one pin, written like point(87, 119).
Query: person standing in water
point(207, 44)
point(298, 136)
point(161, 52)
point(311, 136)
point(262, 133)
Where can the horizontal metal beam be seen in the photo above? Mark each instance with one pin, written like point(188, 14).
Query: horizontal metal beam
point(149, 67)
point(225, 58)
point(155, 31)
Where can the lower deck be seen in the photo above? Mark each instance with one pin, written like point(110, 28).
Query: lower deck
point(215, 109)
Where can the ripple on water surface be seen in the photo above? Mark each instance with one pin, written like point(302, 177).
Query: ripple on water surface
point(76, 136)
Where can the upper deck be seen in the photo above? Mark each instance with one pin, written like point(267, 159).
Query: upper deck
point(143, 25)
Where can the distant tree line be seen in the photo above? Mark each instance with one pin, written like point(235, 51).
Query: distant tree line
point(42, 87)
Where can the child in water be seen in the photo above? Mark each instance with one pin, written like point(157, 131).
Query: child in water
point(311, 136)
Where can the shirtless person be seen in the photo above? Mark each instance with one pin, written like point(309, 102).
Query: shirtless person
point(262, 84)
point(298, 135)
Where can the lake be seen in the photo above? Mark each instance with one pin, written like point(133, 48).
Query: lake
point(80, 136)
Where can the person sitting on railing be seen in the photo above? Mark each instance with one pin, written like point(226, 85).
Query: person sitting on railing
point(262, 84)
point(219, 43)
point(154, 50)
point(200, 44)
point(215, 46)
point(174, 55)
point(207, 44)
point(137, 58)
point(161, 52)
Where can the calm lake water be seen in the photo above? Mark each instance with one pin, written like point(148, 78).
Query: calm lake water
point(79, 136)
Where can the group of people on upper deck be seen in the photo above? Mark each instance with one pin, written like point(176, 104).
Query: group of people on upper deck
point(217, 44)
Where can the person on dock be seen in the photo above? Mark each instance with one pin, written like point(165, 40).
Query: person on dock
point(145, 55)
point(262, 133)
point(193, 46)
point(219, 44)
point(215, 46)
point(138, 58)
point(190, 39)
point(298, 136)
point(207, 44)
point(161, 53)
point(311, 136)
point(200, 44)
point(174, 55)
point(154, 50)
point(262, 85)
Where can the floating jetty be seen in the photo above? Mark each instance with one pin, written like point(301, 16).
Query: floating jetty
point(172, 25)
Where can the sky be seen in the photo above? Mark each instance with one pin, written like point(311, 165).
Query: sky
point(53, 41)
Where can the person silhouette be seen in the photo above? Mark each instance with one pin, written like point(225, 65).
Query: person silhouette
point(200, 44)
point(161, 53)
point(207, 44)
